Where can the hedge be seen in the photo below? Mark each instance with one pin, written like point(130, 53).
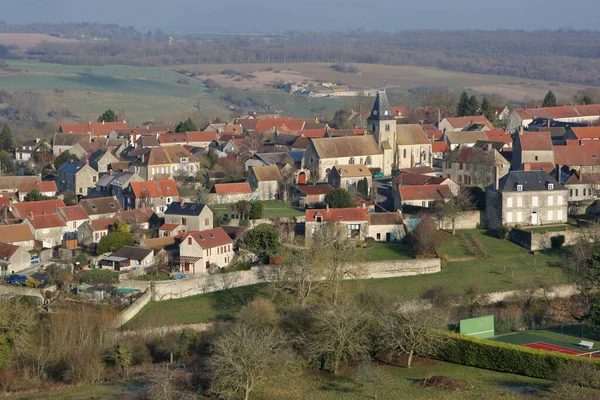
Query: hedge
point(505, 357)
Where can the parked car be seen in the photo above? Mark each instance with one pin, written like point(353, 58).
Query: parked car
point(378, 175)
point(35, 259)
point(178, 276)
point(16, 279)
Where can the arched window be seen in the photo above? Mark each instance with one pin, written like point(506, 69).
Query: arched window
point(361, 160)
point(373, 127)
point(351, 161)
point(368, 160)
point(387, 127)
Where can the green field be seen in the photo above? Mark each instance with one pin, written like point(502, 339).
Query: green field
point(273, 209)
point(389, 251)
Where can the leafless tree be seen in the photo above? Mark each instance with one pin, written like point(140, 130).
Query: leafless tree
point(576, 375)
point(254, 143)
point(453, 208)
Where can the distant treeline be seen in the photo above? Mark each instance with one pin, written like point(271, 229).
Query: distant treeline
point(562, 55)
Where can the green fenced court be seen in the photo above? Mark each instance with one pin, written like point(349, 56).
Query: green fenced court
point(481, 327)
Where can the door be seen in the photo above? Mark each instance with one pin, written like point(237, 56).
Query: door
point(534, 218)
point(302, 178)
point(187, 267)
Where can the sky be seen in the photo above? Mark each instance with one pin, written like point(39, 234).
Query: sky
point(314, 15)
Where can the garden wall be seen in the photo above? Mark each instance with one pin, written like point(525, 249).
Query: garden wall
point(134, 308)
point(214, 198)
point(543, 240)
point(465, 220)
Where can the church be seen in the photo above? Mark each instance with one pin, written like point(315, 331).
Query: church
point(386, 146)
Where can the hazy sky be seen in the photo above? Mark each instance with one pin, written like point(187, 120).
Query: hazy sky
point(281, 15)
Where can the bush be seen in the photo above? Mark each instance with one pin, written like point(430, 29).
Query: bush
point(114, 241)
point(264, 239)
point(557, 241)
point(502, 232)
point(518, 226)
point(504, 357)
point(369, 242)
point(257, 210)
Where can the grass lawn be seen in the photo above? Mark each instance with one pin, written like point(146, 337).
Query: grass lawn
point(544, 229)
point(455, 246)
point(115, 390)
point(402, 383)
point(389, 251)
point(273, 209)
point(163, 276)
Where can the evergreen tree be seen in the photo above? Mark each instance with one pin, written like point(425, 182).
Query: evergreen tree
point(549, 100)
point(339, 198)
point(186, 126)
point(108, 116)
point(487, 110)
point(461, 109)
point(472, 106)
point(6, 138)
point(363, 188)
point(587, 99)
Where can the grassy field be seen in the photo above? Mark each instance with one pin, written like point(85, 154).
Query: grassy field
point(389, 251)
point(273, 209)
point(115, 390)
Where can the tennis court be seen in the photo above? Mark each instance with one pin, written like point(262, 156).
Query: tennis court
point(556, 343)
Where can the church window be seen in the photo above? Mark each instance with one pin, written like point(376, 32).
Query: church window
point(368, 161)
point(351, 161)
point(373, 128)
point(361, 160)
point(387, 127)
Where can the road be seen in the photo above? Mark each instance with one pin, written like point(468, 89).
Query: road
point(385, 199)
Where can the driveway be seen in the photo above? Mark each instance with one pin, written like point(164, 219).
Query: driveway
point(384, 198)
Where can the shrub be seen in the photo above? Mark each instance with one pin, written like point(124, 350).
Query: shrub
point(421, 238)
point(518, 226)
point(257, 210)
point(369, 242)
point(557, 241)
point(502, 232)
point(264, 239)
point(504, 357)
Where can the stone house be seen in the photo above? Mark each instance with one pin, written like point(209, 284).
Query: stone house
point(165, 163)
point(264, 181)
point(414, 148)
point(102, 207)
point(309, 195)
point(345, 176)
point(90, 232)
point(532, 147)
point(422, 195)
point(463, 139)
point(73, 216)
point(583, 186)
point(227, 193)
point(526, 198)
point(199, 250)
point(18, 235)
point(156, 195)
point(353, 220)
point(24, 153)
point(322, 155)
point(115, 183)
point(10, 184)
point(65, 141)
point(386, 226)
point(128, 258)
point(13, 259)
point(46, 188)
point(413, 179)
point(498, 135)
point(468, 123)
point(77, 177)
point(189, 216)
point(48, 230)
point(522, 117)
point(101, 160)
point(475, 166)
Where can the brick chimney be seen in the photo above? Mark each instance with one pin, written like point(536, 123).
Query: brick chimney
point(327, 207)
point(30, 214)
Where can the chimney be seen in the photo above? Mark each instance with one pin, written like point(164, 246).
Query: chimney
point(496, 179)
point(521, 130)
point(30, 214)
point(488, 146)
point(364, 204)
point(181, 201)
point(327, 207)
point(557, 169)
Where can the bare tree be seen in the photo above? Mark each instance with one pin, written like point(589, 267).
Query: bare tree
point(578, 375)
point(451, 209)
point(254, 143)
point(412, 329)
point(244, 358)
point(372, 375)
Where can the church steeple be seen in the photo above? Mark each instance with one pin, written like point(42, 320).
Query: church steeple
point(381, 108)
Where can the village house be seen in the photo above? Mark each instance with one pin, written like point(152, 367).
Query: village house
point(532, 147)
point(463, 139)
point(266, 159)
point(65, 141)
point(24, 153)
point(77, 177)
point(101, 160)
point(102, 207)
point(73, 216)
point(578, 135)
point(354, 221)
point(399, 112)
point(93, 128)
point(200, 250)
point(156, 195)
point(48, 230)
point(310, 195)
point(128, 258)
point(345, 176)
point(468, 123)
point(114, 184)
point(18, 235)
point(90, 232)
point(46, 188)
point(415, 179)
point(583, 157)
point(526, 198)
point(35, 208)
point(522, 117)
point(165, 163)
point(227, 193)
point(170, 230)
point(10, 184)
point(414, 147)
point(189, 216)
point(264, 181)
point(201, 139)
point(498, 135)
point(502, 113)
point(422, 195)
point(475, 166)
point(583, 186)
point(13, 259)
point(386, 226)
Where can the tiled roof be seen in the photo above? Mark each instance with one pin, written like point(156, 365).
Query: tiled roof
point(465, 137)
point(498, 135)
point(353, 170)
point(301, 143)
point(267, 124)
point(590, 132)
point(42, 187)
point(411, 134)
point(530, 180)
point(71, 167)
point(312, 190)
point(433, 134)
point(102, 205)
point(419, 170)
point(7, 250)
point(407, 178)
point(425, 192)
point(399, 111)
point(96, 128)
point(15, 233)
point(349, 146)
point(559, 112)
point(160, 188)
point(43, 207)
point(439, 147)
point(585, 178)
point(70, 139)
point(588, 153)
point(385, 218)
point(312, 133)
point(172, 138)
point(230, 188)
point(148, 141)
point(46, 221)
point(136, 253)
point(338, 214)
point(136, 215)
point(201, 136)
point(209, 238)
point(159, 243)
point(73, 213)
point(12, 182)
point(464, 122)
point(267, 173)
point(102, 224)
point(169, 227)
point(547, 167)
point(536, 141)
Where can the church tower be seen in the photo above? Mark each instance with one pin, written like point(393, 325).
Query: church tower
point(381, 123)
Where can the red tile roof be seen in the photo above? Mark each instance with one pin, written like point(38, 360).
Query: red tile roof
point(46, 221)
point(227, 136)
point(230, 188)
point(547, 167)
point(201, 136)
point(102, 224)
point(97, 128)
point(42, 186)
point(462, 122)
point(419, 170)
point(433, 134)
point(136, 215)
point(439, 147)
point(248, 124)
point(399, 111)
point(7, 250)
point(585, 178)
point(338, 214)
point(161, 188)
point(313, 133)
point(590, 132)
point(425, 192)
point(289, 124)
point(498, 135)
point(416, 179)
point(536, 141)
point(588, 153)
point(312, 190)
point(172, 138)
point(73, 213)
point(169, 227)
point(209, 238)
point(559, 112)
point(43, 207)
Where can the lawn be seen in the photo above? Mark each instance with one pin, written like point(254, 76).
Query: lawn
point(456, 247)
point(389, 251)
point(273, 209)
point(544, 229)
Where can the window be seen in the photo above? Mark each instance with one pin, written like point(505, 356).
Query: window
point(559, 200)
point(461, 166)
point(387, 126)
point(379, 236)
point(534, 201)
point(551, 186)
point(519, 188)
point(404, 153)
point(571, 192)
point(94, 178)
point(183, 221)
point(184, 159)
point(536, 158)
point(353, 231)
point(168, 200)
point(319, 218)
point(206, 222)
point(509, 202)
point(189, 240)
point(351, 161)
point(80, 190)
point(368, 160)
point(519, 202)
point(74, 224)
point(576, 192)
point(423, 204)
point(519, 216)
point(509, 217)
point(550, 200)
point(550, 215)
point(559, 215)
